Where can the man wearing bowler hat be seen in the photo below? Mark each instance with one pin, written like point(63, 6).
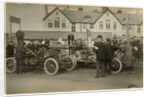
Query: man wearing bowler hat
point(20, 50)
point(99, 48)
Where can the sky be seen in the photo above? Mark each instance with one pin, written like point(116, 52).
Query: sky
point(31, 15)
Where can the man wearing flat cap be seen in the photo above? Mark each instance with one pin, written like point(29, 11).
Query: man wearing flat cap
point(99, 49)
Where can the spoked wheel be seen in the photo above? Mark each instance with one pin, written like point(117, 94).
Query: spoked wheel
point(116, 65)
point(51, 66)
point(69, 63)
point(10, 65)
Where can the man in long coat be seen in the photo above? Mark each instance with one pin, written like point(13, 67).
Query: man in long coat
point(109, 55)
point(20, 50)
point(100, 56)
point(127, 57)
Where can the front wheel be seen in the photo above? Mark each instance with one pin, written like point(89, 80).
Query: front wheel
point(51, 66)
point(116, 65)
point(11, 65)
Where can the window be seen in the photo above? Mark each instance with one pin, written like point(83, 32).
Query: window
point(57, 23)
point(73, 27)
point(91, 26)
point(50, 24)
point(130, 27)
point(107, 14)
point(107, 24)
point(63, 24)
point(115, 25)
point(138, 29)
point(84, 26)
point(101, 25)
point(57, 13)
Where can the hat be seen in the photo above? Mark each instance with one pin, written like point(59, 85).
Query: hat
point(108, 39)
point(99, 36)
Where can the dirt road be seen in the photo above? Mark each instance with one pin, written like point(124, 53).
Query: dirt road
point(80, 79)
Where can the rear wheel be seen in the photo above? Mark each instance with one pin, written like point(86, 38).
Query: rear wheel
point(11, 65)
point(116, 65)
point(51, 66)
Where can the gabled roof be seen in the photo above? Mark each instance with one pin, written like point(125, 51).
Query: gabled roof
point(134, 19)
point(79, 16)
point(54, 11)
point(110, 12)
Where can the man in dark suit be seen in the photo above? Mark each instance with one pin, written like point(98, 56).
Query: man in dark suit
point(10, 50)
point(20, 51)
point(109, 55)
point(100, 56)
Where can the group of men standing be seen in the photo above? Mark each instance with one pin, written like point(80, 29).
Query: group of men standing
point(104, 55)
point(105, 51)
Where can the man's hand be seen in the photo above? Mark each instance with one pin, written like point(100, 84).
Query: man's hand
point(95, 47)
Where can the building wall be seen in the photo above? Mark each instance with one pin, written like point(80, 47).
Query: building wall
point(134, 30)
point(119, 31)
point(108, 15)
point(57, 14)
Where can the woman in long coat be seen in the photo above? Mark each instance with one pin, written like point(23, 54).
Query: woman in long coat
point(127, 57)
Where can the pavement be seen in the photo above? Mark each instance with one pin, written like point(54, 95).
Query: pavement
point(80, 79)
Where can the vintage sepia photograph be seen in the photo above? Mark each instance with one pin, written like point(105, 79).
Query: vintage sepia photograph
point(69, 48)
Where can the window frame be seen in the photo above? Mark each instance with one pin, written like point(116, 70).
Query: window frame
point(57, 23)
point(115, 25)
point(138, 29)
point(108, 24)
point(101, 26)
point(63, 24)
point(91, 26)
point(73, 27)
point(50, 23)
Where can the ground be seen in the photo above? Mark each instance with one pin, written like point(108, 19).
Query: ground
point(80, 79)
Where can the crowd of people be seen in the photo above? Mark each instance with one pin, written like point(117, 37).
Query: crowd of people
point(126, 51)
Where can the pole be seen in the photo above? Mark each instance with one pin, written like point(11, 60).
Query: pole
point(88, 38)
point(10, 28)
point(20, 25)
point(127, 28)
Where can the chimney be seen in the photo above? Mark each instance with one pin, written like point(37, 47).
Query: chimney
point(46, 10)
point(80, 9)
point(104, 9)
point(119, 11)
point(66, 8)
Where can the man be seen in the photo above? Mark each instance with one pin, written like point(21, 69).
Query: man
point(10, 50)
point(115, 41)
point(20, 50)
point(100, 56)
point(136, 45)
point(109, 55)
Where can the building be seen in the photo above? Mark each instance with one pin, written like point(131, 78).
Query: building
point(119, 23)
